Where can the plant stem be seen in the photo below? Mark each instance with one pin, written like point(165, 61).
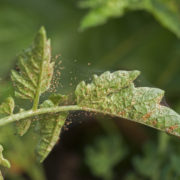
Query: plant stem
point(31, 113)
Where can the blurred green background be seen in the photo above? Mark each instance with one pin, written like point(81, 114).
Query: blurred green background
point(92, 36)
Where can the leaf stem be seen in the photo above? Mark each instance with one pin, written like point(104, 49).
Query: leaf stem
point(37, 96)
point(42, 43)
point(36, 102)
point(31, 113)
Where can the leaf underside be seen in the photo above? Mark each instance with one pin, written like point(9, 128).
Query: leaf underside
point(35, 68)
point(50, 131)
point(166, 12)
point(34, 76)
point(115, 94)
point(50, 126)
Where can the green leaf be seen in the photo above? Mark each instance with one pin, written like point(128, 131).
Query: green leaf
point(50, 127)
point(59, 99)
point(104, 85)
point(34, 77)
point(36, 69)
point(21, 153)
point(3, 162)
point(23, 125)
point(165, 11)
point(106, 152)
point(150, 163)
point(7, 107)
point(115, 94)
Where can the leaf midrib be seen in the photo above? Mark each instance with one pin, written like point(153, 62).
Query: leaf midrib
point(38, 90)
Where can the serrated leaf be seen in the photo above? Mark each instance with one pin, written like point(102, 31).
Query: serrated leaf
point(166, 12)
point(3, 162)
point(50, 127)
point(36, 69)
point(105, 84)
point(116, 95)
point(7, 107)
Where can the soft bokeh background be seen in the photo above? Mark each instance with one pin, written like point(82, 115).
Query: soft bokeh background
point(144, 36)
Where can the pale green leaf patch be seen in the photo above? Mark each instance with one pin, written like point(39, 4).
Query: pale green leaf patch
point(7, 107)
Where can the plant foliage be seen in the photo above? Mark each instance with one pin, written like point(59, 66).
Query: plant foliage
point(3, 162)
point(7, 107)
point(36, 69)
point(110, 93)
point(167, 12)
point(50, 126)
point(115, 94)
point(104, 155)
